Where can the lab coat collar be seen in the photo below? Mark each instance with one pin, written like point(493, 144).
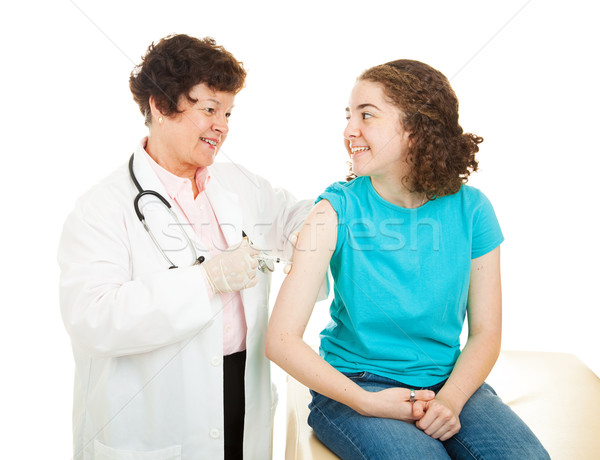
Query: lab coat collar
point(143, 171)
point(157, 217)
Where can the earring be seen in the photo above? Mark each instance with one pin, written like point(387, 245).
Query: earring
point(160, 120)
point(349, 163)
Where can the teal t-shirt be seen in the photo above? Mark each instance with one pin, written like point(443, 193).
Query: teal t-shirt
point(401, 280)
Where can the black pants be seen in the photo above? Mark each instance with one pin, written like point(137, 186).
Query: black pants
point(234, 403)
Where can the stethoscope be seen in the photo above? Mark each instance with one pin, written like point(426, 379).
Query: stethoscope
point(136, 200)
point(265, 261)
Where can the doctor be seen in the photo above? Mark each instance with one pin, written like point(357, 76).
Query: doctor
point(168, 322)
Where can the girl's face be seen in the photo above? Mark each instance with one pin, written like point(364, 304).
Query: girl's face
point(374, 137)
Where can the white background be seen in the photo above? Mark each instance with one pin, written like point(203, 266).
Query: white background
point(526, 74)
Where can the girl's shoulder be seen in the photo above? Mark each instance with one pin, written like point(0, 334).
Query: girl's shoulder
point(341, 194)
point(468, 196)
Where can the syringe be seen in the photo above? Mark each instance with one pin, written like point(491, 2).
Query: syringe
point(267, 261)
point(265, 256)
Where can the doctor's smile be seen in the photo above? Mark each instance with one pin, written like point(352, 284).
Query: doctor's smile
point(212, 142)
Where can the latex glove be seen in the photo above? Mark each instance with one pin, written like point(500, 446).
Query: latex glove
point(232, 270)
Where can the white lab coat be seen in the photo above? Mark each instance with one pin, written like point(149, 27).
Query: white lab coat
point(147, 340)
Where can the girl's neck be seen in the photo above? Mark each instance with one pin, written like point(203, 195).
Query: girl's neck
point(397, 193)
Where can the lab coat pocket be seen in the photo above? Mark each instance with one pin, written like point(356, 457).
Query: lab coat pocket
point(102, 452)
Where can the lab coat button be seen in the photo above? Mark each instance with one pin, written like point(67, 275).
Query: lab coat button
point(216, 361)
point(214, 433)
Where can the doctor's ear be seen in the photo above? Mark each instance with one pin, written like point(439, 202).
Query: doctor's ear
point(155, 111)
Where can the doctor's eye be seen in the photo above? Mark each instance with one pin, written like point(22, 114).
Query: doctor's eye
point(228, 114)
point(366, 115)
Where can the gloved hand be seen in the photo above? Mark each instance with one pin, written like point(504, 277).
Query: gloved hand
point(232, 270)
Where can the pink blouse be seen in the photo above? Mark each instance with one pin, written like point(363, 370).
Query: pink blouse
point(201, 216)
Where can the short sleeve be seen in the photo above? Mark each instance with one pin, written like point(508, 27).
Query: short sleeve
point(335, 194)
point(487, 234)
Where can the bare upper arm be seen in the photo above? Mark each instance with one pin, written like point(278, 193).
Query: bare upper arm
point(485, 294)
point(298, 293)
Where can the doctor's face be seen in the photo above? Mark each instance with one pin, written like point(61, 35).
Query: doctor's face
point(193, 138)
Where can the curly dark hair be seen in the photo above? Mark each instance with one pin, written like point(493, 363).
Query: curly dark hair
point(441, 156)
point(177, 63)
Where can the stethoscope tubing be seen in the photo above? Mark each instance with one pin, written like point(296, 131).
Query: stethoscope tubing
point(142, 218)
point(265, 262)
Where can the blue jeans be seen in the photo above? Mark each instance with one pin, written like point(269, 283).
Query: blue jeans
point(489, 430)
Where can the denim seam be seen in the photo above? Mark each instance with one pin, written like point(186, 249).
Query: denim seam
point(500, 428)
point(477, 457)
point(341, 431)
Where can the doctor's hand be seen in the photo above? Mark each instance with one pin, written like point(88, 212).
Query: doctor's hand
point(232, 270)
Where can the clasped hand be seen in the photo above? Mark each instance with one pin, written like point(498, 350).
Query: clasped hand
point(434, 416)
point(440, 419)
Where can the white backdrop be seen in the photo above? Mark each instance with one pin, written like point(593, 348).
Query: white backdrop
point(526, 73)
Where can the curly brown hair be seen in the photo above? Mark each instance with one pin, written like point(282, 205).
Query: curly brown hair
point(441, 156)
point(177, 63)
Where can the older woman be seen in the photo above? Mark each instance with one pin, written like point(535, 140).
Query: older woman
point(166, 309)
point(413, 251)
